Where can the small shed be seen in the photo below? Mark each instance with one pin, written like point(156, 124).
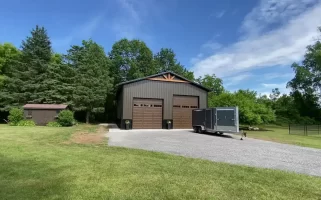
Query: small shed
point(41, 114)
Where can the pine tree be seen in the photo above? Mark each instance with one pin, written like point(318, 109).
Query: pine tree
point(26, 75)
point(59, 84)
point(36, 54)
point(93, 83)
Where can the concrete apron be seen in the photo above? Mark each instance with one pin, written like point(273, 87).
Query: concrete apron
point(146, 130)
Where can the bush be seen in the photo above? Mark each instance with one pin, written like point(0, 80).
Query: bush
point(15, 116)
point(26, 123)
point(66, 118)
point(54, 124)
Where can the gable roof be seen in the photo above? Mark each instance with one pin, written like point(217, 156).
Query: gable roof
point(164, 73)
point(45, 106)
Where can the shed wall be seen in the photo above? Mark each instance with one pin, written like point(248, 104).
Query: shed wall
point(41, 117)
point(159, 90)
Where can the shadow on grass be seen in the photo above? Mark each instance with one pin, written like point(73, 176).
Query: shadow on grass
point(30, 179)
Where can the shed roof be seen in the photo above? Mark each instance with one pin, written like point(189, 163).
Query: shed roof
point(163, 73)
point(45, 106)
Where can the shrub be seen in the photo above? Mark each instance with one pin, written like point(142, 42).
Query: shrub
point(26, 123)
point(54, 124)
point(15, 116)
point(66, 118)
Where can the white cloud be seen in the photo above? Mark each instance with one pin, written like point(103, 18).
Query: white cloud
point(271, 12)
point(211, 45)
point(266, 88)
point(279, 47)
point(276, 75)
point(132, 15)
point(234, 80)
point(83, 31)
point(220, 14)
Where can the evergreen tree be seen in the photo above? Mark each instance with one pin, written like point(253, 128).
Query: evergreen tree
point(36, 54)
point(59, 84)
point(93, 83)
point(37, 46)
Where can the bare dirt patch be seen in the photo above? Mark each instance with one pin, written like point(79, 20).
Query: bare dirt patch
point(89, 138)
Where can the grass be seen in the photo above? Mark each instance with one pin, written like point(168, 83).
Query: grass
point(281, 134)
point(50, 163)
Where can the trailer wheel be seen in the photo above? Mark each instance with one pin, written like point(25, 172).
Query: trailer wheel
point(197, 129)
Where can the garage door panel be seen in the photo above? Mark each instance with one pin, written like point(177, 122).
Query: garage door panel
point(182, 111)
point(147, 113)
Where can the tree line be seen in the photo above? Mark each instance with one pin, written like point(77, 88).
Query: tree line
point(86, 77)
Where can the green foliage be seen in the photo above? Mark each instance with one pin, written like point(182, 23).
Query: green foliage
point(27, 75)
point(131, 59)
point(59, 84)
point(66, 118)
point(165, 60)
point(251, 110)
point(53, 124)
point(213, 83)
point(306, 84)
point(8, 55)
point(93, 83)
point(26, 123)
point(37, 46)
point(15, 116)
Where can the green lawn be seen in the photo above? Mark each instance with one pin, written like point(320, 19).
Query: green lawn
point(281, 135)
point(45, 163)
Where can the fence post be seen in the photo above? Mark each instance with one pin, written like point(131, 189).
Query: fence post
point(306, 130)
point(318, 129)
point(289, 129)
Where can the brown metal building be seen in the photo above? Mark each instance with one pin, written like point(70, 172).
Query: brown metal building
point(150, 102)
point(41, 114)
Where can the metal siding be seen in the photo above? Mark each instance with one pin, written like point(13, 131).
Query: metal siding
point(120, 105)
point(159, 90)
point(42, 117)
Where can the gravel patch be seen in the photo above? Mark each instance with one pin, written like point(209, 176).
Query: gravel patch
point(226, 148)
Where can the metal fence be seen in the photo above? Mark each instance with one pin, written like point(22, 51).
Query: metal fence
point(295, 129)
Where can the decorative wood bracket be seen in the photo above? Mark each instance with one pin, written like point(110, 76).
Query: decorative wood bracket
point(168, 78)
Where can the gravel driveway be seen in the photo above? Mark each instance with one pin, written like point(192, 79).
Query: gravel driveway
point(224, 148)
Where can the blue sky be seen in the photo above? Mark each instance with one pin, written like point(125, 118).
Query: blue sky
point(249, 44)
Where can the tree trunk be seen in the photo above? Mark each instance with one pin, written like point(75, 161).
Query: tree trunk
point(87, 117)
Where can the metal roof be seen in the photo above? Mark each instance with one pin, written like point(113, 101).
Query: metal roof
point(45, 106)
point(144, 78)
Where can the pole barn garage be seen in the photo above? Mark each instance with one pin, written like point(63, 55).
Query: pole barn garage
point(159, 101)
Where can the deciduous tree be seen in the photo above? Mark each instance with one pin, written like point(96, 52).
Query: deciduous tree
point(165, 60)
point(131, 59)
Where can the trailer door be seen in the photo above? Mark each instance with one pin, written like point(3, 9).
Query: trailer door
point(209, 119)
point(225, 117)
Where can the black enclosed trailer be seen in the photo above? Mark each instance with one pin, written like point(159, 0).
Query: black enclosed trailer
point(216, 120)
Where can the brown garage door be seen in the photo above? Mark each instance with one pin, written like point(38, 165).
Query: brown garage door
point(182, 111)
point(147, 113)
